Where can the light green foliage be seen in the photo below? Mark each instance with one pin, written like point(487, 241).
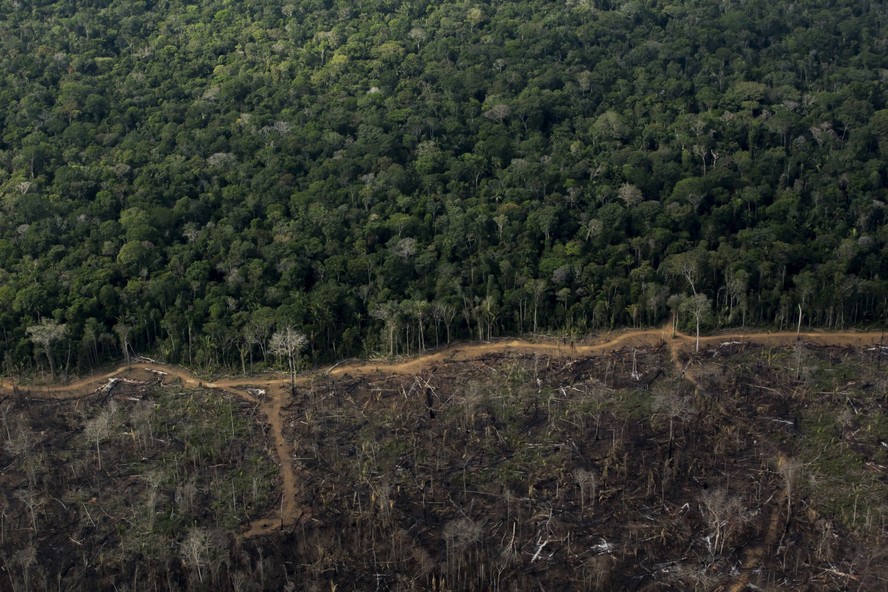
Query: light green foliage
point(186, 165)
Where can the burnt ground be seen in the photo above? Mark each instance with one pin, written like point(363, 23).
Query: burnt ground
point(531, 472)
point(642, 468)
point(109, 488)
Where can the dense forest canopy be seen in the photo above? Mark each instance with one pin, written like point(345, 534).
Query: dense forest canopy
point(187, 178)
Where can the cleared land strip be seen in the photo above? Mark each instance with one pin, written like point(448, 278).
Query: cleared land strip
point(277, 392)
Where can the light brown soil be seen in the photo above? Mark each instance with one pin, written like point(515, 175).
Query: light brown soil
point(753, 555)
point(277, 391)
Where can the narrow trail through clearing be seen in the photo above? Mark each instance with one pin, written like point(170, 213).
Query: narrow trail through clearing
point(277, 392)
point(752, 555)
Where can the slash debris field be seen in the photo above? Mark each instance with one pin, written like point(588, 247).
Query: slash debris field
point(756, 463)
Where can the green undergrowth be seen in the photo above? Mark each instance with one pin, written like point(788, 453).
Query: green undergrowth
point(126, 477)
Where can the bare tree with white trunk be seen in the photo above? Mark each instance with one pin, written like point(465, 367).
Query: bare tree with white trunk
point(288, 343)
point(44, 334)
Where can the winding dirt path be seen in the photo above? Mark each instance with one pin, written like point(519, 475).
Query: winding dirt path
point(277, 393)
point(753, 555)
point(289, 512)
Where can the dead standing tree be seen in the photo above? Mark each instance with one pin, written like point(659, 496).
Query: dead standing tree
point(672, 406)
point(790, 470)
point(389, 313)
point(700, 307)
point(100, 428)
point(588, 482)
point(194, 550)
point(124, 330)
point(689, 266)
point(460, 534)
point(288, 343)
point(726, 517)
point(45, 334)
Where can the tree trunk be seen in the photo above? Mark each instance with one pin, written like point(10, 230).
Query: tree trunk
point(51, 363)
point(697, 346)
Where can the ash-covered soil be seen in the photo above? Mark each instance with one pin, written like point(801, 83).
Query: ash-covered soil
point(645, 467)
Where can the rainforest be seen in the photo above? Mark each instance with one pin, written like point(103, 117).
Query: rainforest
point(449, 296)
point(183, 179)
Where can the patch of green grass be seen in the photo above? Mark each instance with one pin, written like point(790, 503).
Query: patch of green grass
point(843, 477)
point(202, 440)
point(632, 404)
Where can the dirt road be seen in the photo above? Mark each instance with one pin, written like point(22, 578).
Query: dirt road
point(277, 391)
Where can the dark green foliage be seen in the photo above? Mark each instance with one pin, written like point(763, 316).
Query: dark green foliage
point(386, 176)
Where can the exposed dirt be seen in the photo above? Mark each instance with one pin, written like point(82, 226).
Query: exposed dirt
point(528, 465)
point(753, 555)
point(275, 391)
